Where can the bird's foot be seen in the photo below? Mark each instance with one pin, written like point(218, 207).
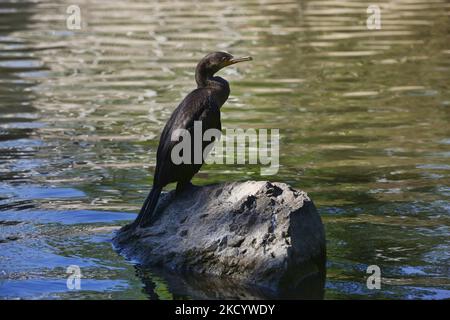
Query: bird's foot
point(182, 186)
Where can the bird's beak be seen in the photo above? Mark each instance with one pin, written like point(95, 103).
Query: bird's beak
point(236, 60)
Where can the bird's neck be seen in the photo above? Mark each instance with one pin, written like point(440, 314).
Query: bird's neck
point(219, 87)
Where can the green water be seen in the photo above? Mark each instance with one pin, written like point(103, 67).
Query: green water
point(363, 117)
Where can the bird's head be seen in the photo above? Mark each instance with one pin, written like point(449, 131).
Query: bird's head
point(215, 61)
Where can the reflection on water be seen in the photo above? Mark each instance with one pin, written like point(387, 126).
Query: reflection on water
point(363, 116)
point(161, 284)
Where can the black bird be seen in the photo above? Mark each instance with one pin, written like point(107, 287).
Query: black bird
point(203, 104)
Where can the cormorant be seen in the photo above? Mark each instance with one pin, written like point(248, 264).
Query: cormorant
point(203, 104)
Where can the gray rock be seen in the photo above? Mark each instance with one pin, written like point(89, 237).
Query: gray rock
point(257, 232)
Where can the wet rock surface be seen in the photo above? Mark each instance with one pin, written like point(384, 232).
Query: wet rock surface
point(263, 234)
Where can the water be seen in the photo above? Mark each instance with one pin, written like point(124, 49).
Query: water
point(363, 116)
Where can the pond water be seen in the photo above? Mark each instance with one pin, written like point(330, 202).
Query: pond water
point(363, 118)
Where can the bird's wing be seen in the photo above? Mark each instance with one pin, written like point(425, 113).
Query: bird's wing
point(197, 106)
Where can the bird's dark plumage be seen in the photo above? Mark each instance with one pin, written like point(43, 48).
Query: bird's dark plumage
point(203, 104)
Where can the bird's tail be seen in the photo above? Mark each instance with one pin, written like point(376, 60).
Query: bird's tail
point(148, 207)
